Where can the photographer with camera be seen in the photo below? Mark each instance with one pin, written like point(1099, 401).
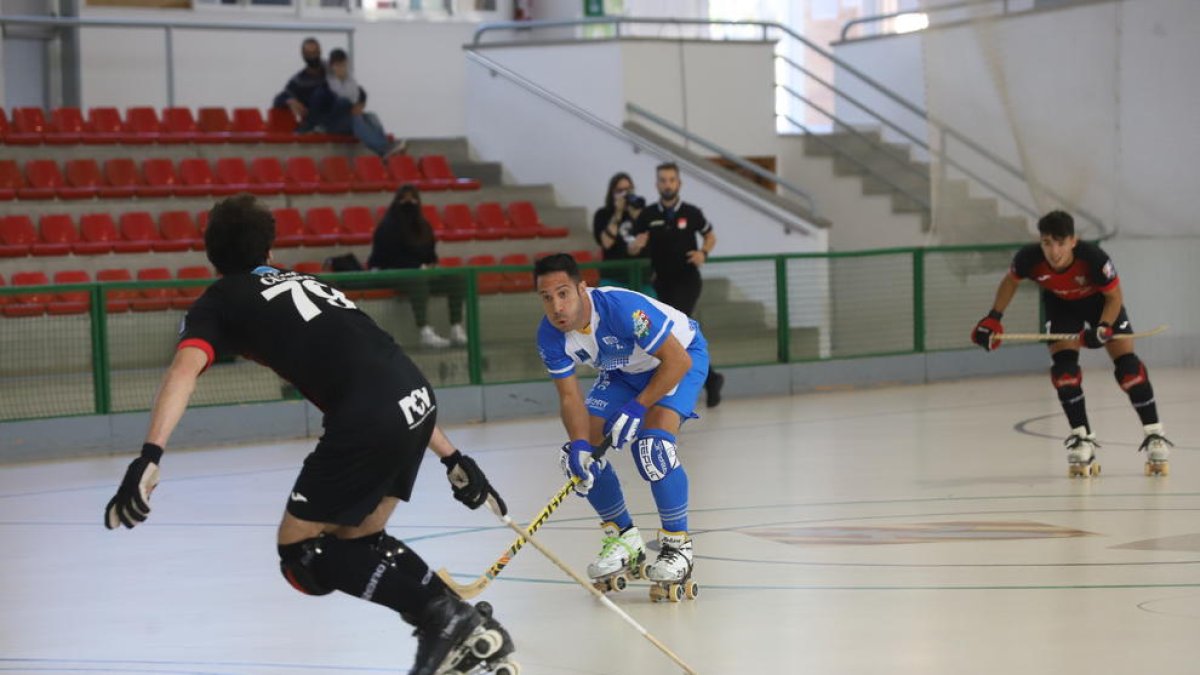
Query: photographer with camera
point(613, 224)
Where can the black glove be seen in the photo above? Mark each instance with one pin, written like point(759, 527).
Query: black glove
point(1096, 336)
point(468, 483)
point(131, 504)
point(988, 331)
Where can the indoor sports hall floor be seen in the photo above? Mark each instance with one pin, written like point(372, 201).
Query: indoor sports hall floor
point(927, 529)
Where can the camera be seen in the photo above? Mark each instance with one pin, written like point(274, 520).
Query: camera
point(635, 201)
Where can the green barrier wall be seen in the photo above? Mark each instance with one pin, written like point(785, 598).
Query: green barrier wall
point(754, 310)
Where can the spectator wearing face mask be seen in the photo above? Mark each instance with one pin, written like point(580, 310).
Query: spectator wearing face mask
point(404, 240)
point(339, 107)
point(298, 93)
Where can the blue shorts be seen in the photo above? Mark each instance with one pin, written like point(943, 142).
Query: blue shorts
point(614, 388)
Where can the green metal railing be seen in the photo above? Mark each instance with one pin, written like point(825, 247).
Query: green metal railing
point(754, 310)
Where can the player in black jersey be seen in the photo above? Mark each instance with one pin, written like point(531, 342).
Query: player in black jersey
point(1081, 293)
point(380, 416)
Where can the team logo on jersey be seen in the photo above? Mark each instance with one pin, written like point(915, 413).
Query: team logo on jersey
point(681, 223)
point(1081, 280)
point(1109, 270)
point(641, 323)
point(417, 406)
point(610, 340)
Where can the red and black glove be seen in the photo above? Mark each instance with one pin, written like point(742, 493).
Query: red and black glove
point(988, 331)
point(1096, 336)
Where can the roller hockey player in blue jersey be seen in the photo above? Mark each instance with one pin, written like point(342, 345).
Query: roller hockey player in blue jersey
point(652, 362)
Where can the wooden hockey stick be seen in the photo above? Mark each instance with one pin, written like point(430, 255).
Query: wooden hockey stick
point(528, 536)
point(1054, 337)
point(474, 588)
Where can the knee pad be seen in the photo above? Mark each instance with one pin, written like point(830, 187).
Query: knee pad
point(654, 454)
point(1130, 371)
point(298, 563)
point(1066, 374)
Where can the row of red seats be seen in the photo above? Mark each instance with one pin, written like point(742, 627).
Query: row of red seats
point(195, 177)
point(158, 299)
point(142, 125)
point(137, 232)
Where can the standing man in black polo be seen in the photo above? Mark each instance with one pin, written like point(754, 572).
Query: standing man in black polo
point(669, 228)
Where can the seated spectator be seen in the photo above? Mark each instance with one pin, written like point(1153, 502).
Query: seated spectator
point(299, 91)
point(339, 107)
point(404, 240)
point(612, 226)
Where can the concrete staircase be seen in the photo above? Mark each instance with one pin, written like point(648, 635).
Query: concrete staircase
point(888, 169)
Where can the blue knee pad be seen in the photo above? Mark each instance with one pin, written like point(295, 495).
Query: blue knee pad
point(654, 455)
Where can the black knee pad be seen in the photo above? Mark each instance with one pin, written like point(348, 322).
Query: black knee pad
point(298, 563)
point(1066, 374)
point(1130, 372)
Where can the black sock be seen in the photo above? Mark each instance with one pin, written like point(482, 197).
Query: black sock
point(1132, 376)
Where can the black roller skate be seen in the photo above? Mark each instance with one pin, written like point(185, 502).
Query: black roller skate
point(488, 650)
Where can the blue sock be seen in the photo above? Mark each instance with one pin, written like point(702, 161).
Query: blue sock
point(608, 500)
point(671, 492)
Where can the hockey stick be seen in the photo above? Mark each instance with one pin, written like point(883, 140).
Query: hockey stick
point(1054, 337)
point(474, 588)
point(527, 535)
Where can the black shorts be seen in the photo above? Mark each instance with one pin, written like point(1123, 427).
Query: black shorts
point(1072, 316)
point(372, 448)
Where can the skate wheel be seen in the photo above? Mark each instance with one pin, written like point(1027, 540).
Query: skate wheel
point(1094, 469)
point(507, 668)
point(638, 571)
point(486, 644)
point(691, 589)
point(657, 593)
point(675, 592)
point(619, 583)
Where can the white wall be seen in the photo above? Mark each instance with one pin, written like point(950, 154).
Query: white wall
point(1101, 96)
point(412, 70)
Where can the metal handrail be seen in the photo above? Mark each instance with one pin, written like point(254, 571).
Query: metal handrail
point(725, 154)
point(169, 26)
point(928, 10)
point(638, 142)
point(941, 127)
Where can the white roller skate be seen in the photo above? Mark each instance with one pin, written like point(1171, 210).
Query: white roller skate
point(1158, 449)
point(671, 572)
point(1081, 453)
point(622, 557)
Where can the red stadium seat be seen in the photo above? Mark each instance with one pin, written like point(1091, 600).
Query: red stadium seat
point(517, 282)
point(178, 126)
point(304, 178)
point(28, 304)
point(281, 128)
point(460, 224)
point(525, 217)
point(116, 301)
point(591, 276)
point(160, 178)
point(450, 261)
point(188, 294)
point(358, 227)
point(44, 180)
point(123, 178)
point(4, 129)
point(486, 282)
point(70, 302)
point(99, 229)
point(371, 175)
point(141, 126)
point(289, 228)
point(28, 127)
point(249, 126)
point(83, 180)
point(138, 226)
point(436, 168)
point(196, 180)
point(202, 221)
point(266, 175)
point(405, 172)
point(492, 222)
point(4, 299)
point(308, 267)
point(321, 227)
point(11, 179)
point(66, 127)
point(337, 171)
point(153, 299)
point(104, 126)
point(179, 226)
point(215, 125)
point(17, 236)
point(57, 232)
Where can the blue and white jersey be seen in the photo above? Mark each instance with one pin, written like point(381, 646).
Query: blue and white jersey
point(625, 328)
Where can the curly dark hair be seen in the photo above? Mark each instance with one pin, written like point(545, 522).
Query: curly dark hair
point(239, 235)
point(1057, 224)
